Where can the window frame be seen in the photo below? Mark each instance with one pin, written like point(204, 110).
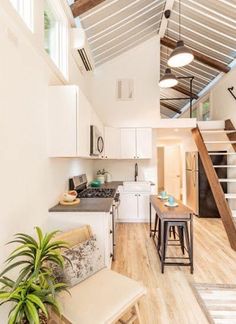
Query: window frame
point(62, 51)
point(25, 9)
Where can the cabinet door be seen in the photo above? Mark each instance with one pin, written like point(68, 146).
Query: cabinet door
point(112, 143)
point(144, 143)
point(128, 208)
point(62, 121)
point(83, 122)
point(128, 143)
point(143, 206)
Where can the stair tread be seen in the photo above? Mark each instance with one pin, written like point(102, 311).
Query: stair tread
point(227, 180)
point(224, 166)
point(222, 153)
point(220, 131)
point(220, 142)
point(230, 195)
point(233, 211)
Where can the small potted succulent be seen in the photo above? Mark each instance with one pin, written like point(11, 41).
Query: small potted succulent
point(33, 294)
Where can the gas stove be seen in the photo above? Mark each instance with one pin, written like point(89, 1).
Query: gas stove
point(79, 183)
point(97, 193)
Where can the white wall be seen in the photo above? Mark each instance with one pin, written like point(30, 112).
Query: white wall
point(30, 181)
point(223, 104)
point(142, 64)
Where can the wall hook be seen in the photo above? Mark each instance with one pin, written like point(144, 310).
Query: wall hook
point(231, 89)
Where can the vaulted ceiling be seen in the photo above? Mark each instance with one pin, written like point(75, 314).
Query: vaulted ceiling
point(208, 27)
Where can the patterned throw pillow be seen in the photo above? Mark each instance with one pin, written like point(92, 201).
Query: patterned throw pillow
point(85, 260)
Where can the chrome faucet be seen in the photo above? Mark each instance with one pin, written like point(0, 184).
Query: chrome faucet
point(136, 172)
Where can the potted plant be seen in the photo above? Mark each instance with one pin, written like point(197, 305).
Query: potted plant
point(35, 289)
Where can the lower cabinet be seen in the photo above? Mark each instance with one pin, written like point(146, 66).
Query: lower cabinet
point(101, 225)
point(134, 207)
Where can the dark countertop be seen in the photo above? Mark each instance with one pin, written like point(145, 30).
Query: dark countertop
point(102, 205)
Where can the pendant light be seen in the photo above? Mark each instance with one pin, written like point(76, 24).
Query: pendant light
point(169, 79)
point(181, 55)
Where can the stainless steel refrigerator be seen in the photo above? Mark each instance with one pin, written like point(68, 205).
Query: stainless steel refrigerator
point(198, 192)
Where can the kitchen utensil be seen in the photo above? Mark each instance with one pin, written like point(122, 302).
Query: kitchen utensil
point(95, 184)
point(101, 178)
point(69, 196)
point(175, 204)
point(108, 177)
point(171, 200)
point(70, 203)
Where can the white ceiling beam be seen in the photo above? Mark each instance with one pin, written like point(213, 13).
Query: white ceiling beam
point(164, 21)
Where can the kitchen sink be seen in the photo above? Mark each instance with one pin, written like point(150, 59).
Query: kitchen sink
point(136, 186)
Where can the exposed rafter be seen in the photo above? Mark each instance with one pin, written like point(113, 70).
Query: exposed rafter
point(177, 111)
point(81, 6)
point(185, 91)
point(199, 56)
point(164, 21)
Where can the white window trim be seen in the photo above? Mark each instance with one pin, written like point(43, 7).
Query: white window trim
point(25, 8)
point(63, 32)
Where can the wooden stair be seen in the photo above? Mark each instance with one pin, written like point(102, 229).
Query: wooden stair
point(220, 197)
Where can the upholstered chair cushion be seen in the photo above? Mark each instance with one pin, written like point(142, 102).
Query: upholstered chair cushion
point(81, 261)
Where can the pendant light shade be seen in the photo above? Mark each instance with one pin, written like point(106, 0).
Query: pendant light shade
point(168, 80)
point(180, 56)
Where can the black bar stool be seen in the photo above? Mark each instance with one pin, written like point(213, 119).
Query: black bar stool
point(184, 239)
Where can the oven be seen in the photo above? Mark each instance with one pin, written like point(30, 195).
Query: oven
point(115, 215)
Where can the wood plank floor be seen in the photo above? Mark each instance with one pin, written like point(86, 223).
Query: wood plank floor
point(170, 298)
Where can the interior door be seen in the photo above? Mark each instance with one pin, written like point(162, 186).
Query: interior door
point(172, 170)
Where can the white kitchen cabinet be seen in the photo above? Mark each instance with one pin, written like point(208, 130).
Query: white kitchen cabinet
point(136, 143)
point(128, 208)
point(100, 222)
point(144, 143)
point(143, 206)
point(128, 143)
point(70, 116)
point(112, 143)
point(84, 117)
point(62, 125)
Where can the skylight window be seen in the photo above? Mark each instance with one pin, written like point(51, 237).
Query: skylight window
point(25, 10)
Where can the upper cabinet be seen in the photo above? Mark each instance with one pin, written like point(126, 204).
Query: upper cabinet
point(144, 143)
point(62, 121)
point(128, 143)
point(112, 143)
point(84, 120)
point(70, 116)
point(136, 143)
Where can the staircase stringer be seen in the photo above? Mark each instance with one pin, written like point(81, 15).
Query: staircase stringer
point(217, 191)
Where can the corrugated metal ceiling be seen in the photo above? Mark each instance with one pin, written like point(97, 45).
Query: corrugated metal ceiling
point(209, 27)
point(117, 25)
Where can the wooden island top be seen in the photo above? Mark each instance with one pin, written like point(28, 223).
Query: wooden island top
point(180, 212)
